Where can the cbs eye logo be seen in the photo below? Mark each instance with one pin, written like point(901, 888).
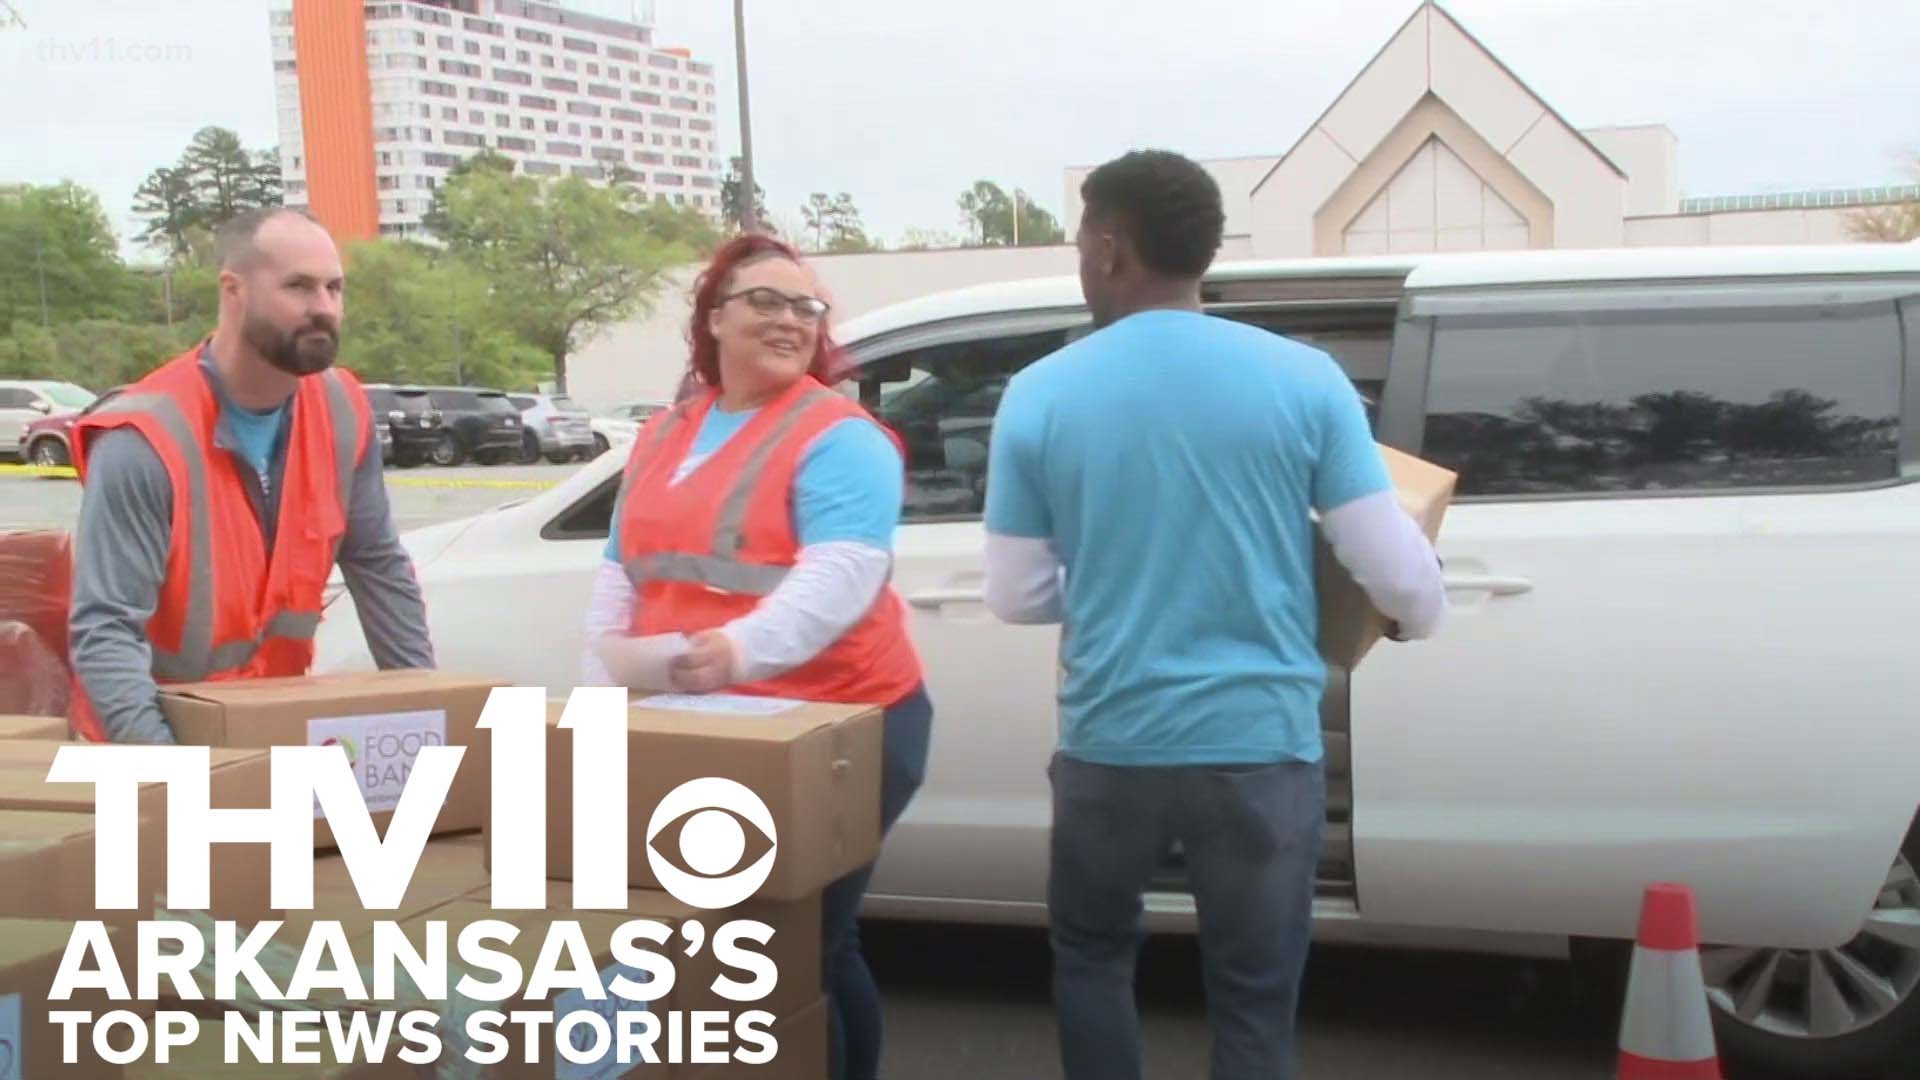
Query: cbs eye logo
point(707, 816)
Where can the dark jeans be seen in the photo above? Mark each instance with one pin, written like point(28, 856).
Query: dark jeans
point(1251, 835)
point(852, 998)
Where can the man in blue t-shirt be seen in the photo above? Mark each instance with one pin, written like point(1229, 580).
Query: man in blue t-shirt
point(1153, 487)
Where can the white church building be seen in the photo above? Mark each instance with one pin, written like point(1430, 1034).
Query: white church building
point(1435, 146)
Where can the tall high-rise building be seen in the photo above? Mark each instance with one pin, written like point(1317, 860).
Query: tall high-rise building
point(378, 101)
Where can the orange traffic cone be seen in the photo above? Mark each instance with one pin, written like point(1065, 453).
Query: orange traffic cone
point(1666, 1032)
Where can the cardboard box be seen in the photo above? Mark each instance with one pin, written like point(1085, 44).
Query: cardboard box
point(206, 1057)
point(802, 1039)
point(47, 868)
point(33, 727)
point(239, 780)
point(382, 718)
point(815, 766)
point(794, 951)
point(1349, 625)
point(30, 952)
point(450, 868)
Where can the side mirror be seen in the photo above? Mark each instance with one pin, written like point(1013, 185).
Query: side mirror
point(42, 406)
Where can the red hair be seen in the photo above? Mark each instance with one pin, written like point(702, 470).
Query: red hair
point(829, 363)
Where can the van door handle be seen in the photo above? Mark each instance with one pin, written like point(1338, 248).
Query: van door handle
point(1491, 584)
point(935, 599)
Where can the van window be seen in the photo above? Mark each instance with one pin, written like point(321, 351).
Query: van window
point(943, 411)
point(455, 400)
point(1595, 402)
point(1361, 341)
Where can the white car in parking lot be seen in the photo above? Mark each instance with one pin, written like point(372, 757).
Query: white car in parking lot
point(1681, 569)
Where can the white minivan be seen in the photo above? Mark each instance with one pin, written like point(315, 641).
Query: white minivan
point(1683, 569)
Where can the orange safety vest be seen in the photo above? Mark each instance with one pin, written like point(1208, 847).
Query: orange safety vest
point(227, 610)
point(703, 552)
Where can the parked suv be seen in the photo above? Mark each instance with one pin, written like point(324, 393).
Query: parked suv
point(1677, 650)
point(553, 425)
point(475, 423)
point(23, 401)
point(412, 424)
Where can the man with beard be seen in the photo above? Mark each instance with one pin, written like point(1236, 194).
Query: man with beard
point(222, 489)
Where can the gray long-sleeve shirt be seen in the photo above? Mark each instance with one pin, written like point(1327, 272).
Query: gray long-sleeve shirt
point(120, 562)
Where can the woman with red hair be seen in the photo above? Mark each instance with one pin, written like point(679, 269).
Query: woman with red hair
point(756, 518)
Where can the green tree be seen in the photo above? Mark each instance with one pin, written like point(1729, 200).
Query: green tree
point(835, 223)
point(167, 201)
point(563, 259)
point(918, 239)
point(492, 162)
point(733, 199)
point(988, 213)
point(817, 214)
point(215, 179)
point(984, 210)
point(59, 260)
point(417, 315)
point(96, 353)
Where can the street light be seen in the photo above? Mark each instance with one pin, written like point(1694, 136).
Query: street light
point(746, 199)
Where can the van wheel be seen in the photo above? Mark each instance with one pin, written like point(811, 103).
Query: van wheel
point(600, 444)
point(1828, 1012)
point(1840, 1012)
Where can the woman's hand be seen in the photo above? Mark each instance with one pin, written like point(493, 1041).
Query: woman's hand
point(706, 666)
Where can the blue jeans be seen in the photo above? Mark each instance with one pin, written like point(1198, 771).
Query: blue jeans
point(853, 1001)
point(1251, 835)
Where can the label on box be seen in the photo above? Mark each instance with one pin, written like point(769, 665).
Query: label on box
point(728, 704)
point(381, 747)
point(12, 1053)
point(608, 1064)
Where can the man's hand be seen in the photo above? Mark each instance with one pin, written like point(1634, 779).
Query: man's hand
point(706, 666)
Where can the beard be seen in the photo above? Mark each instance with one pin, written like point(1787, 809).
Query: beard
point(307, 349)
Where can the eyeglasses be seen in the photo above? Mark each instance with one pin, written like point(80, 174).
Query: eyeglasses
point(768, 301)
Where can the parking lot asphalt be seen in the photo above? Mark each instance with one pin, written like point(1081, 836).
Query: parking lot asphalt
point(420, 496)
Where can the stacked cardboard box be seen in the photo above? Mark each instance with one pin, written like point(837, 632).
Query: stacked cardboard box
point(239, 780)
point(815, 766)
point(33, 727)
point(380, 719)
point(30, 1044)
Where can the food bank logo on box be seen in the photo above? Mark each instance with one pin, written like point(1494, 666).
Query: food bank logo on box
point(381, 749)
point(585, 1016)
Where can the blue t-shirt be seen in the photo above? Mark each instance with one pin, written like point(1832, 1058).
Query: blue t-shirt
point(1172, 459)
point(849, 488)
point(255, 434)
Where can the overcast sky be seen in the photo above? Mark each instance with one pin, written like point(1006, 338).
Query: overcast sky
point(905, 104)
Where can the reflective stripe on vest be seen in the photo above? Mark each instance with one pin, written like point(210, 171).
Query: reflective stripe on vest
point(721, 570)
point(198, 657)
point(196, 630)
point(642, 457)
point(346, 439)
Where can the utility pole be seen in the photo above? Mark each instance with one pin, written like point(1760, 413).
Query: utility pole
point(747, 216)
point(40, 261)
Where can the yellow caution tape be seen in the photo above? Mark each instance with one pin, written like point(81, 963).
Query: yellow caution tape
point(67, 472)
point(430, 482)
